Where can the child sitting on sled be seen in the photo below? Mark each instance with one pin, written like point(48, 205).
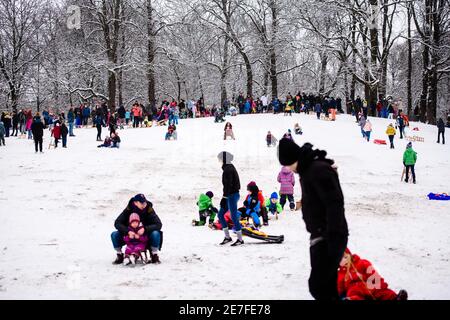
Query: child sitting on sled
point(136, 241)
point(171, 132)
point(106, 143)
point(273, 206)
point(358, 280)
point(205, 209)
point(254, 206)
point(298, 129)
point(271, 140)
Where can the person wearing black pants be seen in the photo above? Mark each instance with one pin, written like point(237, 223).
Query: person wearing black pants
point(15, 121)
point(37, 128)
point(98, 124)
point(323, 213)
point(290, 198)
point(441, 131)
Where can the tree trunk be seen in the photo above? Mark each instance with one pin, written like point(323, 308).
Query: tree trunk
point(273, 54)
point(151, 86)
point(374, 47)
point(323, 71)
point(224, 72)
point(409, 72)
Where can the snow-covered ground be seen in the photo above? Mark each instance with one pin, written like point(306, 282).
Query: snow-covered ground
point(57, 211)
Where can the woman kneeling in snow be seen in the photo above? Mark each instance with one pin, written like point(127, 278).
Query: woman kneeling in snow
point(358, 280)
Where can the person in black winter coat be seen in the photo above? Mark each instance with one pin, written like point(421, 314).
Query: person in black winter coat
point(64, 133)
point(150, 220)
point(323, 213)
point(6, 118)
point(15, 123)
point(441, 130)
point(231, 187)
point(37, 128)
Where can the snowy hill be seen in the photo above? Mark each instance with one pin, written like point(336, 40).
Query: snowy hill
point(58, 210)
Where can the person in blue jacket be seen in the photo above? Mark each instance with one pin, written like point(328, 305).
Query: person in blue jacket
point(318, 110)
point(86, 115)
point(252, 205)
point(71, 120)
point(275, 105)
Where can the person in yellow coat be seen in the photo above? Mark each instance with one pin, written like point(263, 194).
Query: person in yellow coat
point(390, 131)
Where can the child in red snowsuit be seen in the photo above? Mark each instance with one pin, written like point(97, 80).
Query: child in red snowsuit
point(358, 280)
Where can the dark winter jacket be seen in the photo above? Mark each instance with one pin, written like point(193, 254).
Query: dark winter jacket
point(2, 129)
point(322, 198)
point(37, 128)
point(441, 125)
point(64, 130)
point(121, 112)
point(15, 119)
point(147, 216)
point(230, 180)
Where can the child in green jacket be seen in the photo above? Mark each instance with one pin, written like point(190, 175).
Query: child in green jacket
point(409, 160)
point(273, 206)
point(205, 209)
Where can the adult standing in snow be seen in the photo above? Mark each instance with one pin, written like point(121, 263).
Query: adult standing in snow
point(231, 187)
point(409, 161)
point(150, 220)
point(401, 125)
point(64, 132)
point(323, 213)
point(98, 121)
point(2, 133)
point(441, 130)
point(318, 110)
point(70, 120)
point(15, 124)
point(362, 123)
point(37, 128)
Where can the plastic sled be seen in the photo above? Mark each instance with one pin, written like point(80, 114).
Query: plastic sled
point(438, 196)
point(378, 141)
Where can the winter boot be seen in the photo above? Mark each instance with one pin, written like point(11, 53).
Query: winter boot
point(225, 241)
point(119, 259)
point(402, 295)
point(238, 243)
point(127, 261)
point(155, 258)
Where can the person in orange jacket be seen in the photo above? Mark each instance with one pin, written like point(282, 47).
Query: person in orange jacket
point(358, 280)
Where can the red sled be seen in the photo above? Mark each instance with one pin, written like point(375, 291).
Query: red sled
point(378, 141)
point(415, 129)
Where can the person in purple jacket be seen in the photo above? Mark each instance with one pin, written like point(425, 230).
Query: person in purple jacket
point(287, 180)
point(136, 241)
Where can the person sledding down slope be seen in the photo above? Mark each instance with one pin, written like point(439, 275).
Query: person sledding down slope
point(205, 209)
point(254, 206)
point(151, 222)
point(358, 280)
point(136, 241)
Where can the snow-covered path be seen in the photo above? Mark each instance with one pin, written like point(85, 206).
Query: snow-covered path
point(57, 211)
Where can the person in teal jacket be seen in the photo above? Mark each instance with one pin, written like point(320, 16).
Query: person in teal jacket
point(409, 160)
point(205, 209)
point(273, 206)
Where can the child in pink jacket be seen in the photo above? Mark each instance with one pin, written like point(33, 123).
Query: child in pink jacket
point(287, 180)
point(136, 240)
